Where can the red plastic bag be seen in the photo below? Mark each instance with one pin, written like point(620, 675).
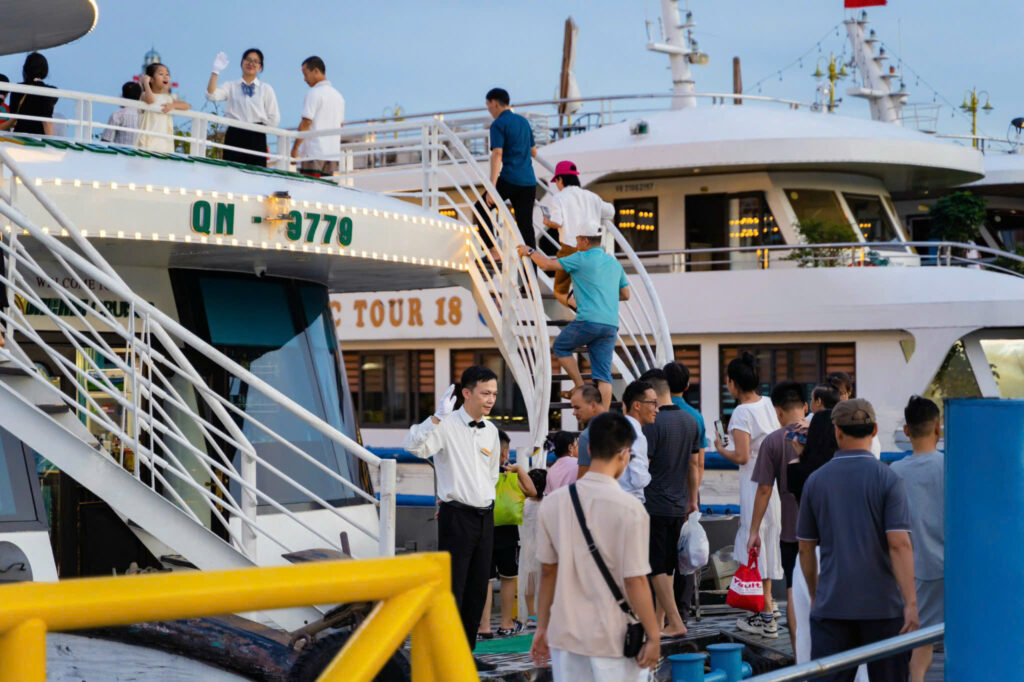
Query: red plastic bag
point(746, 591)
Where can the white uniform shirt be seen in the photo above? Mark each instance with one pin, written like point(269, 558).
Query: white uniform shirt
point(638, 473)
point(325, 107)
point(260, 108)
point(466, 458)
point(574, 207)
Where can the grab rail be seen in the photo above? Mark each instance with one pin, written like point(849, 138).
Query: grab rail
point(413, 594)
point(854, 657)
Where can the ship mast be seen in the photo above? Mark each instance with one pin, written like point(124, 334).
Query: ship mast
point(886, 103)
point(682, 51)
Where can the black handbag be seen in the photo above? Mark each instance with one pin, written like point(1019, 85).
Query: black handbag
point(635, 629)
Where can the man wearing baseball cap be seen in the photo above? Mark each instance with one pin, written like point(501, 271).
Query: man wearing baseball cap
point(600, 283)
point(571, 207)
point(857, 510)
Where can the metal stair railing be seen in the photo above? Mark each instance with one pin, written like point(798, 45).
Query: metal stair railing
point(506, 290)
point(170, 419)
point(641, 319)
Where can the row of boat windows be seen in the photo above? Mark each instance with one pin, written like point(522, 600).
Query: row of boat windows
point(396, 388)
point(744, 219)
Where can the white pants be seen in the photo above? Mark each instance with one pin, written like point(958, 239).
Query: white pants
point(802, 610)
point(569, 667)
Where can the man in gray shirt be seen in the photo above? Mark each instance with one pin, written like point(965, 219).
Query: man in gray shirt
point(924, 475)
point(856, 508)
point(672, 441)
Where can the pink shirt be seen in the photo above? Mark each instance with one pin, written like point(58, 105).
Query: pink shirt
point(562, 473)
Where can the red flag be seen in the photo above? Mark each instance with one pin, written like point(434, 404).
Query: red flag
point(854, 4)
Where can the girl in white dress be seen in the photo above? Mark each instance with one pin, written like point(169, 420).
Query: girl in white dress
point(157, 124)
point(752, 420)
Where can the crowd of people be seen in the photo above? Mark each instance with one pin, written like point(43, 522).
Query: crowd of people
point(149, 125)
point(593, 538)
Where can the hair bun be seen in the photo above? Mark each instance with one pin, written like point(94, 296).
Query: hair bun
point(747, 358)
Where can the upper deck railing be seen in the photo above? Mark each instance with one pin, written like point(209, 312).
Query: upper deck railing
point(838, 254)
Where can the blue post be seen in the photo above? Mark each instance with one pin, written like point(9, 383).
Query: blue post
point(687, 667)
point(729, 659)
point(984, 538)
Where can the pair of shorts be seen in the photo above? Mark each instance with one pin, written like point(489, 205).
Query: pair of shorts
point(599, 340)
point(790, 551)
point(317, 167)
point(569, 667)
point(505, 555)
point(931, 605)
point(663, 551)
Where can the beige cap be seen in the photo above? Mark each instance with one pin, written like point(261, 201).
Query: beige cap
point(853, 412)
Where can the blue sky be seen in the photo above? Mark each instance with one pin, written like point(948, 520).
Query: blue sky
point(428, 56)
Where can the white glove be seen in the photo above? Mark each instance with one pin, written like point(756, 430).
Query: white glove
point(447, 404)
point(220, 62)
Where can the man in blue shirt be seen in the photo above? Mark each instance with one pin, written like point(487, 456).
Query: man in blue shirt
point(600, 283)
point(857, 510)
point(512, 152)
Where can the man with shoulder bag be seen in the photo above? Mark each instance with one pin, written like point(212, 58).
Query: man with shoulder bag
point(595, 604)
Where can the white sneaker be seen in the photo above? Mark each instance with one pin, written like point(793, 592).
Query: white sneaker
point(752, 624)
point(769, 628)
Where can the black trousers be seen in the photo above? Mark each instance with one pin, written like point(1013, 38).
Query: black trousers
point(831, 636)
point(467, 533)
point(246, 139)
point(522, 198)
point(683, 587)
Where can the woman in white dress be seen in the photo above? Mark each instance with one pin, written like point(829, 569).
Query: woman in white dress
point(752, 420)
point(157, 124)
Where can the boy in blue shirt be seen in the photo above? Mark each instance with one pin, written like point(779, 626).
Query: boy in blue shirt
point(600, 283)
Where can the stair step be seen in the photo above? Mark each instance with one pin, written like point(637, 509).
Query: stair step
point(586, 376)
point(566, 405)
point(59, 408)
point(12, 372)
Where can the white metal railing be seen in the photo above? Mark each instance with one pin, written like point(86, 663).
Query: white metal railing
point(853, 254)
point(641, 319)
point(470, 125)
point(175, 433)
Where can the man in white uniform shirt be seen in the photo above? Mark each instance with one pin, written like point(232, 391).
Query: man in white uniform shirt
point(640, 404)
point(467, 453)
point(323, 109)
point(572, 207)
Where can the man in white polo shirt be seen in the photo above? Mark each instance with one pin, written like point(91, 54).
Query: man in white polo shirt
point(467, 454)
point(323, 109)
point(572, 207)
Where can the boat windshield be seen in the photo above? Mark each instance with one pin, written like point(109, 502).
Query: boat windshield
point(17, 479)
point(872, 219)
point(282, 331)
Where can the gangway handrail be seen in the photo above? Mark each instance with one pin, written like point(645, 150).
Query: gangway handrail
point(854, 657)
point(413, 592)
point(165, 327)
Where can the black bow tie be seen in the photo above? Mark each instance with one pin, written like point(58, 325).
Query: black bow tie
point(476, 425)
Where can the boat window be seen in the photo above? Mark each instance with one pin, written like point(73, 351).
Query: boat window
point(509, 410)
point(816, 204)
point(729, 220)
point(806, 364)
point(1006, 360)
point(281, 331)
point(955, 378)
point(872, 219)
point(391, 388)
point(17, 479)
point(689, 356)
point(637, 220)
point(1007, 226)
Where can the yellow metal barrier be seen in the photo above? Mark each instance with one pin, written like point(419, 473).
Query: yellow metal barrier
point(413, 592)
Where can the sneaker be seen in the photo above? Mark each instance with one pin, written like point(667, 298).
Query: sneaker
point(484, 635)
point(516, 628)
point(776, 614)
point(769, 628)
point(752, 624)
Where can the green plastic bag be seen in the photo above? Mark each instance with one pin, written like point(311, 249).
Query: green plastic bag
point(508, 501)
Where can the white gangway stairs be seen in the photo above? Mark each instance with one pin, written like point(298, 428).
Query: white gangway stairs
point(173, 426)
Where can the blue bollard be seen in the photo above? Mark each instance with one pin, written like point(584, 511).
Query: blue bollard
point(726, 665)
point(687, 667)
point(729, 659)
point(984, 527)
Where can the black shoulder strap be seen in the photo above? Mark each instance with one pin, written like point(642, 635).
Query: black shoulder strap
point(605, 573)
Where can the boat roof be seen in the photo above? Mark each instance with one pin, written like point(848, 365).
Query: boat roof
point(1004, 175)
point(730, 139)
point(40, 24)
point(148, 210)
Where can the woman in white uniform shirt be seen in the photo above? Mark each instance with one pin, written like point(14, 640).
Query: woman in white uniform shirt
point(249, 100)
